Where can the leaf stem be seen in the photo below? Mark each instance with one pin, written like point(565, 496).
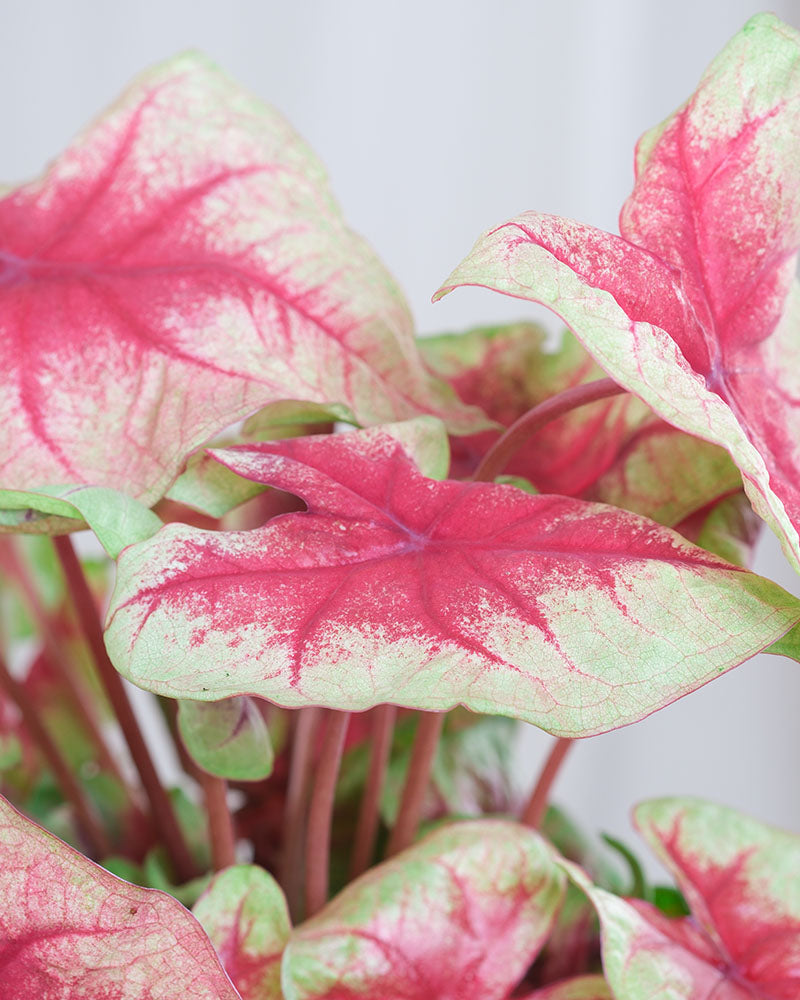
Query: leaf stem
point(161, 809)
point(297, 791)
point(221, 829)
point(498, 456)
point(320, 813)
point(221, 826)
point(88, 820)
point(81, 697)
point(369, 811)
point(533, 814)
point(426, 740)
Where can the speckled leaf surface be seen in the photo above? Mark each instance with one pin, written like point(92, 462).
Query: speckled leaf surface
point(181, 265)
point(211, 488)
point(614, 451)
point(394, 588)
point(462, 913)
point(244, 913)
point(227, 738)
point(695, 308)
point(69, 929)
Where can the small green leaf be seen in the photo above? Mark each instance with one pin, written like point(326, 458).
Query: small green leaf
point(669, 900)
point(227, 738)
point(116, 519)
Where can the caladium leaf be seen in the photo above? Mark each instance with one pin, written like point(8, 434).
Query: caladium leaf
point(739, 878)
point(462, 913)
point(580, 988)
point(244, 913)
point(180, 266)
point(69, 928)
point(115, 518)
point(614, 451)
point(393, 588)
point(227, 738)
point(695, 309)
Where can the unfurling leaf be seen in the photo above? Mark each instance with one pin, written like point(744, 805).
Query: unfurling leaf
point(462, 913)
point(227, 738)
point(393, 588)
point(180, 266)
point(70, 929)
point(696, 308)
point(244, 913)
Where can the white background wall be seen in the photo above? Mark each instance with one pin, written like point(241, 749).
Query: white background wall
point(436, 120)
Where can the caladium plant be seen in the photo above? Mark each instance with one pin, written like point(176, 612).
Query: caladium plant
point(381, 554)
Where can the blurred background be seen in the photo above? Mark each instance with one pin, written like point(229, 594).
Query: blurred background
point(437, 120)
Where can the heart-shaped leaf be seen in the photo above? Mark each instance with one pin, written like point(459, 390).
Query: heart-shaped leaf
point(244, 913)
point(227, 738)
point(115, 518)
point(393, 588)
point(614, 451)
point(180, 266)
point(462, 913)
point(70, 929)
point(695, 309)
point(740, 880)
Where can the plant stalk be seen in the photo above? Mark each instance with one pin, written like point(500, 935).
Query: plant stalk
point(88, 820)
point(320, 813)
point(498, 456)
point(297, 792)
point(412, 800)
point(73, 683)
point(533, 813)
point(161, 809)
point(221, 829)
point(369, 811)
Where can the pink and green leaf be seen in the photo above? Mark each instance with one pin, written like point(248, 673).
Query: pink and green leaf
point(180, 266)
point(394, 588)
point(694, 309)
point(69, 928)
point(244, 913)
point(462, 913)
point(227, 738)
point(210, 487)
point(740, 878)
